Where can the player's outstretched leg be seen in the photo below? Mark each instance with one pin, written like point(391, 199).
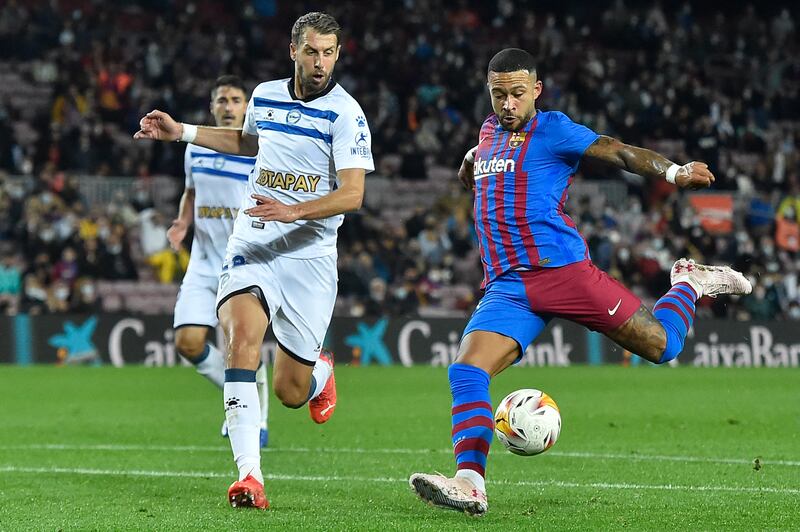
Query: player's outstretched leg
point(690, 282)
point(473, 425)
point(244, 322)
point(322, 393)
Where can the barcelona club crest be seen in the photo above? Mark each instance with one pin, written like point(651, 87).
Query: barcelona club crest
point(516, 140)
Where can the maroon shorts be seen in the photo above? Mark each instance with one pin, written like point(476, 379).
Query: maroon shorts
point(580, 292)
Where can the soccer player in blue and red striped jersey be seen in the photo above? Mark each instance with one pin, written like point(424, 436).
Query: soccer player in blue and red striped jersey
point(537, 266)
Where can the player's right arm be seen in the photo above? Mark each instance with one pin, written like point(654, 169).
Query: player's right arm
point(158, 125)
point(647, 163)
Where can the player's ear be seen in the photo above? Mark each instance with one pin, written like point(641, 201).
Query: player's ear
point(338, 49)
point(537, 88)
point(292, 51)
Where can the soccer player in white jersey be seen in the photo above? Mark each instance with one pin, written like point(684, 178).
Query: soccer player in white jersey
point(215, 187)
point(313, 151)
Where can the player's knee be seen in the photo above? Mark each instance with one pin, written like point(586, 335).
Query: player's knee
point(654, 351)
point(290, 394)
point(189, 346)
point(243, 352)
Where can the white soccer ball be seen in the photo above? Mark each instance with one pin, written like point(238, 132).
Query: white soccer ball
point(527, 422)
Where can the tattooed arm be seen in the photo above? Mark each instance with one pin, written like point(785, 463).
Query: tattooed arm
point(647, 163)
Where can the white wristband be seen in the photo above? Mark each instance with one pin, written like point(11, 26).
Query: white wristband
point(189, 133)
point(672, 171)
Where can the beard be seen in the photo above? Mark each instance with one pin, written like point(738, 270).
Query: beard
point(518, 124)
point(311, 85)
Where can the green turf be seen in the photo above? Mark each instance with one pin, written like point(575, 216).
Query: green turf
point(641, 448)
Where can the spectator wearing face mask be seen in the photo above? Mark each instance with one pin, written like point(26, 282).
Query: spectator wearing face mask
point(58, 297)
point(84, 297)
point(117, 263)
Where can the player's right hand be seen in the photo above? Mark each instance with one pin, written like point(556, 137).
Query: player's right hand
point(694, 175)
point(158, 125)
point(176, 233)
point(466, 174)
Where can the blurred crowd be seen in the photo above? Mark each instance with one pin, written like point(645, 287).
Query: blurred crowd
point(692, 82)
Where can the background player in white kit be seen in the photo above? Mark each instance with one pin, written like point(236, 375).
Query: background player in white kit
point(215, 188)
point(313, 151)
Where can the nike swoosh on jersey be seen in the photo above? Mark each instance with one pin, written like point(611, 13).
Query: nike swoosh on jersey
point(613, 311)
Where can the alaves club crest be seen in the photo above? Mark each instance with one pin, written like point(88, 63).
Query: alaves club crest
point(516, 140)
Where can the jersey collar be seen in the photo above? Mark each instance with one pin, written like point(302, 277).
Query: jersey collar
point(326, 90)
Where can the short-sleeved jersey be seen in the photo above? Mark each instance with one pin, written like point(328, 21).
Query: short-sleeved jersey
point(301, 146)
point(219, 181)
point(521, 182)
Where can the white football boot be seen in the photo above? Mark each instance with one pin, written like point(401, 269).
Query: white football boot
point(452, 493)
point(709, 280)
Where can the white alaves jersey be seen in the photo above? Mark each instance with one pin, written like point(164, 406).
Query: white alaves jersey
point(301, 146)
point(219, 181)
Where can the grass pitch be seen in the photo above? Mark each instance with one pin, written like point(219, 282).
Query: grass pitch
point(641, 448)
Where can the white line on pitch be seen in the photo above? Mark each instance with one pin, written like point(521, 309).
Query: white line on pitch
point(336, 478)
point(357, 450)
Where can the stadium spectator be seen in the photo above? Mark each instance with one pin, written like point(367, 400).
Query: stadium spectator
point(10, 283)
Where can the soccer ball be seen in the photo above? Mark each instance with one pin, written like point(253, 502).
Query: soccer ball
point(527, 422)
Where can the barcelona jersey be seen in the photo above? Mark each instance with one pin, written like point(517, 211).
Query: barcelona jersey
point(521, 182)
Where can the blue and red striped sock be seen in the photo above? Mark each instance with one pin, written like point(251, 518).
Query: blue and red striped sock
point(675, 311)
point(473, 421)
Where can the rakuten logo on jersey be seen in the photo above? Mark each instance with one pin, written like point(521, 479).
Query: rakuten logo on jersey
point(494, 165)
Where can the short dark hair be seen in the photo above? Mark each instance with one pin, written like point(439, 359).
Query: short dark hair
point(228, 81)
point(323, 23)
point(511, 60)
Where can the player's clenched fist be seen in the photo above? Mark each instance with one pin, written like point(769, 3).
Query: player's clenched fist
point(694, 175)
point(158, 125)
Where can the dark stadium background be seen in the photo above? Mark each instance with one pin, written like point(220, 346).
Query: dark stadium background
point(84, 208)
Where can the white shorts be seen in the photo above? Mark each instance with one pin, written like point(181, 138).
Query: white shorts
point(196, 304)
point(297, 294)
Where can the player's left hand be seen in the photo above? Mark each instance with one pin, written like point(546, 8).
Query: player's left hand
point(270, 210)
point(694, 175)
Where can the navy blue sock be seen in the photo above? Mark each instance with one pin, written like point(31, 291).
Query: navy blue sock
point(240, 375)
point(312, 388)
point(201, 357)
